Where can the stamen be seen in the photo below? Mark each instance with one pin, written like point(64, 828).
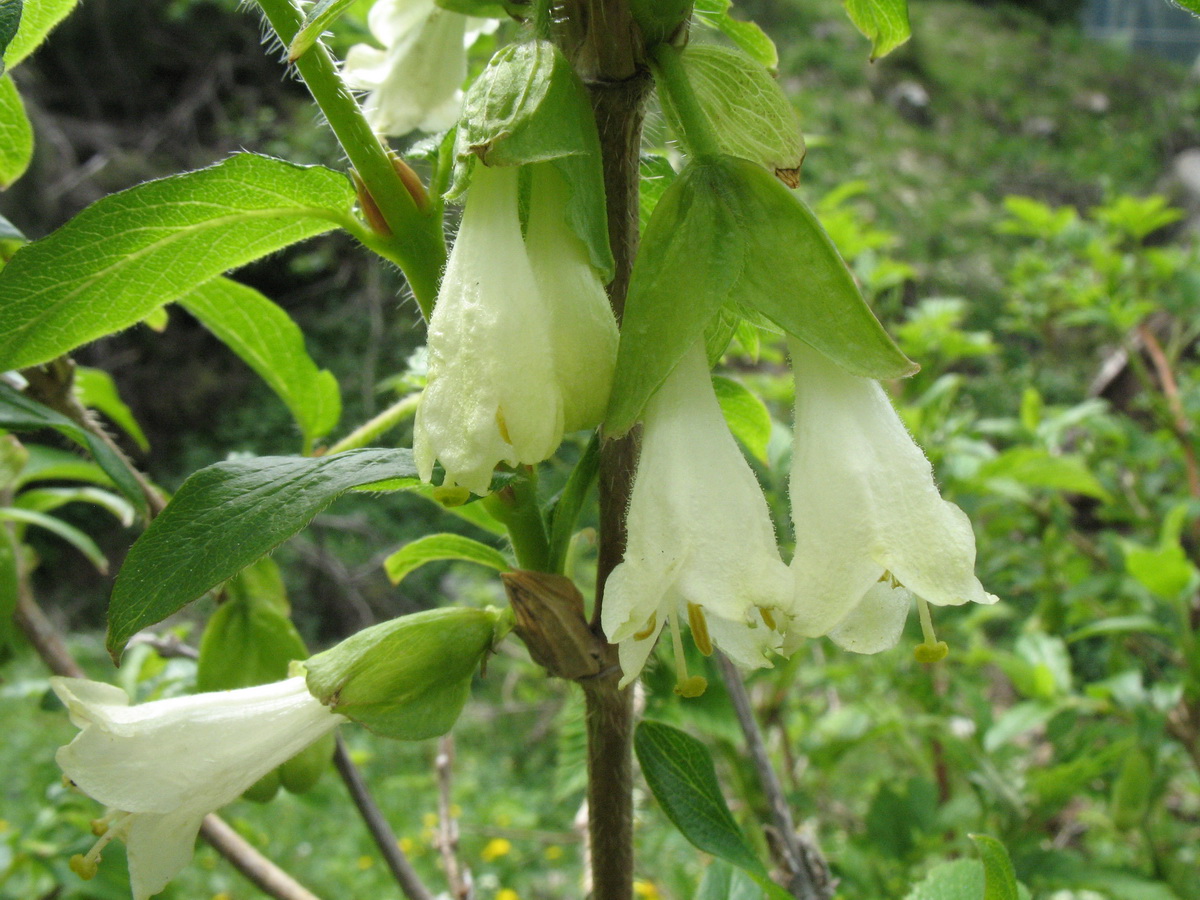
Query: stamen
point(699, 627)
point(113, 825)
point(768, 617)
point(503, 426)
point(648, 630)
point(684, 686)
point(932, 650)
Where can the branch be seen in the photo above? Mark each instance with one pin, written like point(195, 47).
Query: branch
point(806, 868)
point(461, 887)
point(410, 883)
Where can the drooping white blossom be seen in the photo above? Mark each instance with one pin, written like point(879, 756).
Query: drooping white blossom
point(701, 544)
point(871, 528)
point(521, 346)
point(415, 81)
point(165, 765)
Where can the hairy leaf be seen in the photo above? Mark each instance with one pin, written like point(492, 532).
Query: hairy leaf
point(10, 20)
point(268, 341)
point(135, 250)
point(320, 17)
point(433, 547)
point(226, 516)
point(999, 880)
point(16, 134)
point(37, 20)
point(679, 770)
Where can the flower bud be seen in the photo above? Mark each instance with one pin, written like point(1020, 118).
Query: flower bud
point(408, 678)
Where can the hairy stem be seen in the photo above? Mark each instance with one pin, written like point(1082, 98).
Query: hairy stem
point(606, 48)
point(368, 432)
point(416, 240)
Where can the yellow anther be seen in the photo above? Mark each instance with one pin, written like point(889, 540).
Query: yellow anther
point(451, 496)
point(692, 687)
point(84, 866)
point(932, 650)
point(99, 827)
point(699, 627)
point(650, 628)
point(503, 426)
point(768, 617)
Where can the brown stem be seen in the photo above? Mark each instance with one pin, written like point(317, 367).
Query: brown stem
point(264, 874)
point(402, 870)
point(1181, 426)
point(807, 871)
point(459, 877)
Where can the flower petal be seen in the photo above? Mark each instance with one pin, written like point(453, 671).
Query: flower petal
point(877, 622)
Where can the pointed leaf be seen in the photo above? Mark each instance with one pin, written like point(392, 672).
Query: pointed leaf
point(1000, 882)
point(133, 251)
point(10, 20)
point(883, 22)
point(16, 134)
point(435, 547)
point(268, 341)
point(226, 516)
point(97, 390)
point(51, 498)
point(679, 770)
point(747, 35)
point(37, 19)
point(52, 464)
point(19, 413)
point(565, 512)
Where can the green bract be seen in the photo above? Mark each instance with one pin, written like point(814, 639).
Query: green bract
point(727, 231)
point(407, 678)
point(529, 106)
point(745, 108)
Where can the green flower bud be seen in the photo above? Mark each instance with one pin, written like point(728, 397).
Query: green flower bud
point(408, 678)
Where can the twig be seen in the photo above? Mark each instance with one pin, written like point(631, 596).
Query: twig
point(265, 875)
point(1181, 426)
point(410, 883)
point(805, 866)
point(461, 886)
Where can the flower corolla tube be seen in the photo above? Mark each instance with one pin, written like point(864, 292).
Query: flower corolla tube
point(701, 543)
point(163, 766)
point(522, 341)
point(871, 528)
point(415, 82)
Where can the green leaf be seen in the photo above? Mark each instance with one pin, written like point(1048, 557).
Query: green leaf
point(482, 9)
point(37, 19)
point(1118, 625)
point(16, 134)
point(565, 511)
point(10, 20)
point(271, 344)
point(434, 547)
point(1037, 468)
point(745, 414)
point(1164, 570)
point(679, 770)
point(9, 586)
point(999, 880)
point(745, 110)
point(48, 499)
point(726, 230)
point(68, 533)
point(1192, 6)
point(52, 464)
point(135, 250)
point(883, 22)
point(961, 879)
point(725, 882)
point(747, 35)
point(656, 176)
point(97, 390)
point(529, 106)
point(226, 516)
point(317, 21)
point(19, 413)
point(1132, 790)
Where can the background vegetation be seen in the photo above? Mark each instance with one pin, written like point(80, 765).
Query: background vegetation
point(992, 185)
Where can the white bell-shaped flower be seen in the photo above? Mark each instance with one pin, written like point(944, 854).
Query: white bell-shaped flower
point(701, 544)
point(163, 766)
point(583, 330)
point(871, 528)
point(522, 343)
point(415, 82)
